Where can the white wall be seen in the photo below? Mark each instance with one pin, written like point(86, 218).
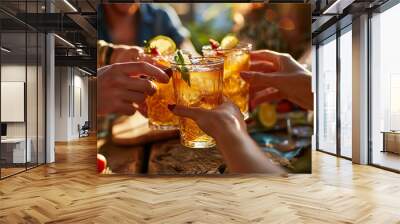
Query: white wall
point(80, 111)
point(61, 104)
point(33, 127)
point(16, 73)
point(71, 94)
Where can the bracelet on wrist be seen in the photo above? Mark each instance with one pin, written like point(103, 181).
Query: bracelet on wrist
point(108, 54)
point(102, 47)
point(101, 55)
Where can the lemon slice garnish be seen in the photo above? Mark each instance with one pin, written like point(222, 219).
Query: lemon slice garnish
point(163, 44)
point(229, 42)
point(267, 115)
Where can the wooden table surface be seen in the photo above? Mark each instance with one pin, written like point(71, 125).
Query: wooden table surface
point(133, 148)
point(136, 149)
point(163, 157)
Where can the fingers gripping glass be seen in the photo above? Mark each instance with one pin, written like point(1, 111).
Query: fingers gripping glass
point(199, 84)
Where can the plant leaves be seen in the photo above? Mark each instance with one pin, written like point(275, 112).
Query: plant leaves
point(179, 59)
point(185, 74)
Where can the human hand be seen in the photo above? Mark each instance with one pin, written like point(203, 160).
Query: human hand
point(216, 122)
point(226, 125)
point(123, 87)
point(125, 53)
point(275, 76)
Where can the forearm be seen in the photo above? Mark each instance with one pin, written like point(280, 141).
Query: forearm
point(243, 155)
point(298, 90)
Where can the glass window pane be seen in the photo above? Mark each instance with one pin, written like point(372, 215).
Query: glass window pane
point(346, 94)
point(15, 151)
point(13, 85)
point(385, 89)
point(327, 96)
point(22, 64)
point(31, 97)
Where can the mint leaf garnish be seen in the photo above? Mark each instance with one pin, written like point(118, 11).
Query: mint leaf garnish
point(180, 60)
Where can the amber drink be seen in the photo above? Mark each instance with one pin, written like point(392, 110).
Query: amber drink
point(197, 84)
point(236, 60)
point(160, 118)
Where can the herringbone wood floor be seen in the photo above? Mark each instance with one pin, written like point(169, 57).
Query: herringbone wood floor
point(70, 191)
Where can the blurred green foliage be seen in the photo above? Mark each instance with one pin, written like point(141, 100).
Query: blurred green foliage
point(201, 32)
point(261, 32)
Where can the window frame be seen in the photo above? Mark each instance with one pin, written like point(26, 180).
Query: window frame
point(342, 27)
point(29, 29)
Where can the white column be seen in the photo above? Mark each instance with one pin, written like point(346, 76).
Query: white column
point(62, 104)
point(360, 90)
point(50, 99)
point(50, 93)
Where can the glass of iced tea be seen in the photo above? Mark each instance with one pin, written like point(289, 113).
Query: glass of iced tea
point(197, 83)
point(160, 118)
point(236, 59)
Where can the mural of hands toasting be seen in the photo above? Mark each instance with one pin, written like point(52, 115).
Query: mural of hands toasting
point(205, 97)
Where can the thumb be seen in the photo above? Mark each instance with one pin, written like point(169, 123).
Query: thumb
point(190, 112)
